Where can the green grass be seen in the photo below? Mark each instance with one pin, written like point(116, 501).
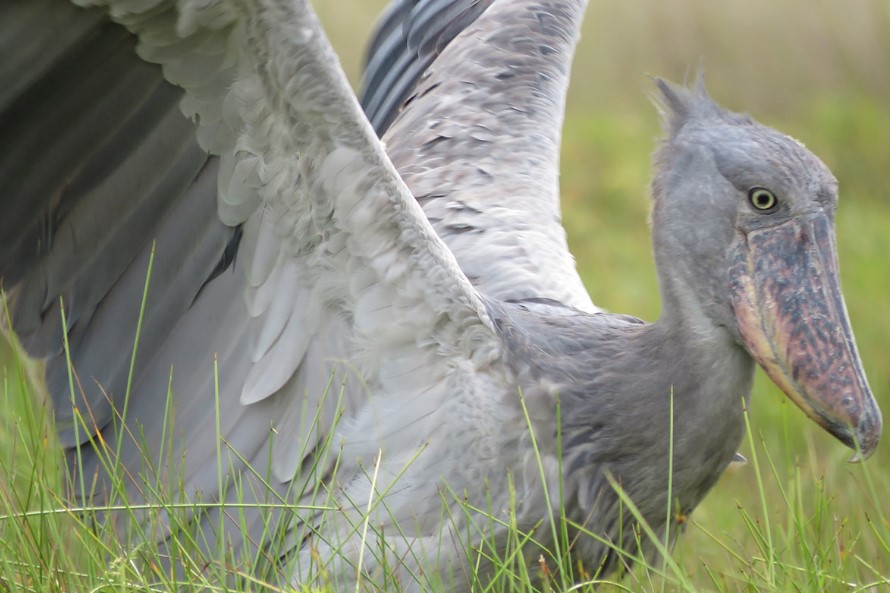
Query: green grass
point(796, 517)
point(781, 523)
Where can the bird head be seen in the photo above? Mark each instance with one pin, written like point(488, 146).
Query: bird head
point(743, 224)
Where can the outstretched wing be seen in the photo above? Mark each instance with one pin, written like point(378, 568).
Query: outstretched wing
point(340, 287)
point(475, 92)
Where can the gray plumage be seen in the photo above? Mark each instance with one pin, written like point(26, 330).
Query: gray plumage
point(292, 254)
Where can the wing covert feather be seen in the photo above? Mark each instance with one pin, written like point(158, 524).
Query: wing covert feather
point(477, 142)
point(409, 36)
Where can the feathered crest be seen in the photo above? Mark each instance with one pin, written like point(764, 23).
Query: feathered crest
point(677, 105)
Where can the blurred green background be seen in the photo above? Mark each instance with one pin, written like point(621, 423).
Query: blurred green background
point(818, 70)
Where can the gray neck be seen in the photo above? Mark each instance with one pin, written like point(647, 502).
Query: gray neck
point(617, 381)
point(710, 372)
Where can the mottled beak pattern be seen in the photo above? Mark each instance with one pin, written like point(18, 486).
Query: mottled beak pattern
point(791, 316)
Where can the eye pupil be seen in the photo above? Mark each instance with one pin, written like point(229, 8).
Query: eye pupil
point(762, 199)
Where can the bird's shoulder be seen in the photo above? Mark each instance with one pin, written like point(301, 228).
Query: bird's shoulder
point(555, 328)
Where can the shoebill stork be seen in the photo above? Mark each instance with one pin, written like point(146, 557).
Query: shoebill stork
point(393, 327)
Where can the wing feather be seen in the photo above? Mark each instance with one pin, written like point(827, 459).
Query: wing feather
point(46, 33)
point(342, 300)
point(409, 36)
point(187, 248)
point(477, 137)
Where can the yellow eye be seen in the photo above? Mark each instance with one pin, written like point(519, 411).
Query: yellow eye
point(762, 199)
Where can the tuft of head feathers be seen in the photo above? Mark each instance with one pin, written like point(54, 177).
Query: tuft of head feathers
point(686, 107)
point(680, 105)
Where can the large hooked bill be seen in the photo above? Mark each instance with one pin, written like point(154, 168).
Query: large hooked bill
point(792, 318)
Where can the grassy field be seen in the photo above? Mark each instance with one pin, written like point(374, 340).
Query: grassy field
point(797, 517)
